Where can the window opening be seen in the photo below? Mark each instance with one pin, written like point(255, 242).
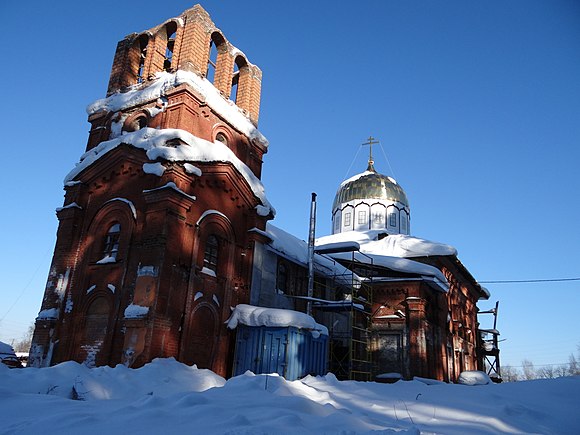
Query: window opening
point(222, 138)
point(403, 224)
point(235, 81)
point(378, 218)
point(282, 278)
point(362, 217)
point(111, 244)
point(212, 61)
point(392, 219)
point(171, 31)
point(210, 258)
point(142, 55)
point(347, 219)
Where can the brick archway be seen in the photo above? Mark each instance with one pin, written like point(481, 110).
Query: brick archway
point(201, 336)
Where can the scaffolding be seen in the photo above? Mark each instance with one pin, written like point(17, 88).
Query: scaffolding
point(350, 316)
point(489, 347)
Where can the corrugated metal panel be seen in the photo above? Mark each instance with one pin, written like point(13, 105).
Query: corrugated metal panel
point(290, 352)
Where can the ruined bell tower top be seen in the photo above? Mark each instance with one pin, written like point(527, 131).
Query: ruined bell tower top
point(190, 42)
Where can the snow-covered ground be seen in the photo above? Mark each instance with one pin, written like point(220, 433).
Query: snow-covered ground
point(169, 397)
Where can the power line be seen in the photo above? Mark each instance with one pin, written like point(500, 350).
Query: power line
point(41, 263)
point(537, 365)
point(515, 281)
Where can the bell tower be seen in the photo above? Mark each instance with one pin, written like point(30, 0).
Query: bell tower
point(156, 234)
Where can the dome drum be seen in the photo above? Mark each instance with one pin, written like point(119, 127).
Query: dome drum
point(370, 201)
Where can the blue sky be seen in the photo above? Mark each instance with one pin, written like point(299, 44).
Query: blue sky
point(476, 105)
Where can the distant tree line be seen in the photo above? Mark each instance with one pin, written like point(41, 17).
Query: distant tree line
point(528, 371)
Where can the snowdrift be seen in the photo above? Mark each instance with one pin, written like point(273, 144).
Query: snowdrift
point(168, 397)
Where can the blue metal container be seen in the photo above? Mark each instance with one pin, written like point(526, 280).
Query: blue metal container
point(289, 351)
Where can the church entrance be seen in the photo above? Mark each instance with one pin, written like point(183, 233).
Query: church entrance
point(200, 343)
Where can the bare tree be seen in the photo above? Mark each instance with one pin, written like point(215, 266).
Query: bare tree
point(574, 366)
point(23, 345)
point(509, 374)
point(528, 370)
point(547, 372)
point(562, 370)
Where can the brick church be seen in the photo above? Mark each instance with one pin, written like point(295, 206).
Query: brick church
point(164, 228)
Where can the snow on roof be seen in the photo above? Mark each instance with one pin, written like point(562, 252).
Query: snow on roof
point(275, 317)
point(5, 348)
point(473, 377)
point(397, 264)
point(297, 250)
point(163, 83)
point(485, 291)
point(50, 313)
point(396, 245)
point(348, 246)
point(356, 177)
point(194, 149)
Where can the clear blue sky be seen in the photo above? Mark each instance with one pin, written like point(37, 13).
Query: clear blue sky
point(476, 104)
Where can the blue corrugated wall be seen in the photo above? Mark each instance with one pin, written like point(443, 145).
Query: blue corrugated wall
point(291, 352)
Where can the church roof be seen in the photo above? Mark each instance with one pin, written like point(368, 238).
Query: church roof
point(369, 185)
point(394, 245)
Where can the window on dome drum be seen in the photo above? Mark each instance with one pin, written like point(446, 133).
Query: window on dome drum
point(282, 278)
point(111, 245)
point(210, 257)
point(336, 223)
point(378, 218)
point(403, 223)
point(347, 219)
point(392, 220)
point(362, 217)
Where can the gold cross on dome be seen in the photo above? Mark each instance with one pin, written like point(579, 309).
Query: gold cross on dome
point(371, 140)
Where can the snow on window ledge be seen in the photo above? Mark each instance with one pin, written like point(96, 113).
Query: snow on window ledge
point(208, 271)
point(107, 260)
point(134, 311)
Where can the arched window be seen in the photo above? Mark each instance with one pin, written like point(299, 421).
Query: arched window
point(111, 243)
point(235, 82)
point(222, 138)
point(171, 31)
point(238, 82)
point(210, 257)
point(142, 42)
point(135, 123)
point(214, 43)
